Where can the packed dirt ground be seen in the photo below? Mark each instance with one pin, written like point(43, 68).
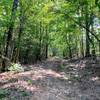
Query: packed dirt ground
point(53, 79)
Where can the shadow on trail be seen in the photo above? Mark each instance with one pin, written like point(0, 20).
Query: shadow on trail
point(30, 85)
point(54, 79)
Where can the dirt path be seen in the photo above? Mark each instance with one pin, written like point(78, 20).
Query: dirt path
point(54, 79)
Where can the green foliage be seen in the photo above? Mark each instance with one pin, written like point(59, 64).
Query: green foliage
point(61, 68)
point(24, 93)
point(16, 67)
point(29, 82)
point(3, 93)
point(55, 24)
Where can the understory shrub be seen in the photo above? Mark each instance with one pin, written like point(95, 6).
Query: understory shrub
point(16, 67)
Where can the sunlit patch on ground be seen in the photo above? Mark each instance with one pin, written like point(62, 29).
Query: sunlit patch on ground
point(95, 78)
point(44, 82)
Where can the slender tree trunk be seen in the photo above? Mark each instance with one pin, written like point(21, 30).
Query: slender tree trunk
point(92, 38)
point(40, 40)
point(81, 30)
point(69, 46)
point(99, 48)
point(19, 35)
point(9, 34)
point(43, 43)
point(87, 53)
point(46, 46)
point(82, 46)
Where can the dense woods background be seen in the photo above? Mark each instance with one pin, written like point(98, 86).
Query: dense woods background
point(49, 49)
point(33, 30)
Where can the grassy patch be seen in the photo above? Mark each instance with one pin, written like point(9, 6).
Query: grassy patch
point(24, 94)
point(3, 94)
point(61, 68)
point(29, 82)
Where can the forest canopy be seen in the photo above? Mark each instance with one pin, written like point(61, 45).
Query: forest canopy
point(33, 30)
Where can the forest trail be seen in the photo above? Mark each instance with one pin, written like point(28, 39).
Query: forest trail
point(54, 79)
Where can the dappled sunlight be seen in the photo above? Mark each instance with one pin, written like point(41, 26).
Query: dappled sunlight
point(7, 75)
point(24, 79)
point(42, 81)
point(95, 78)
point(22, 84)
point(81, 64)
point(49, 49)
point(49, 72)
point(40, 71)
point(44, 73)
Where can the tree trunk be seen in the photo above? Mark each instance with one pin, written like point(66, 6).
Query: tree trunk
point(9, 34)
point(40, 41)
point(20, 34)
point(87, 53)
point(47, 37)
